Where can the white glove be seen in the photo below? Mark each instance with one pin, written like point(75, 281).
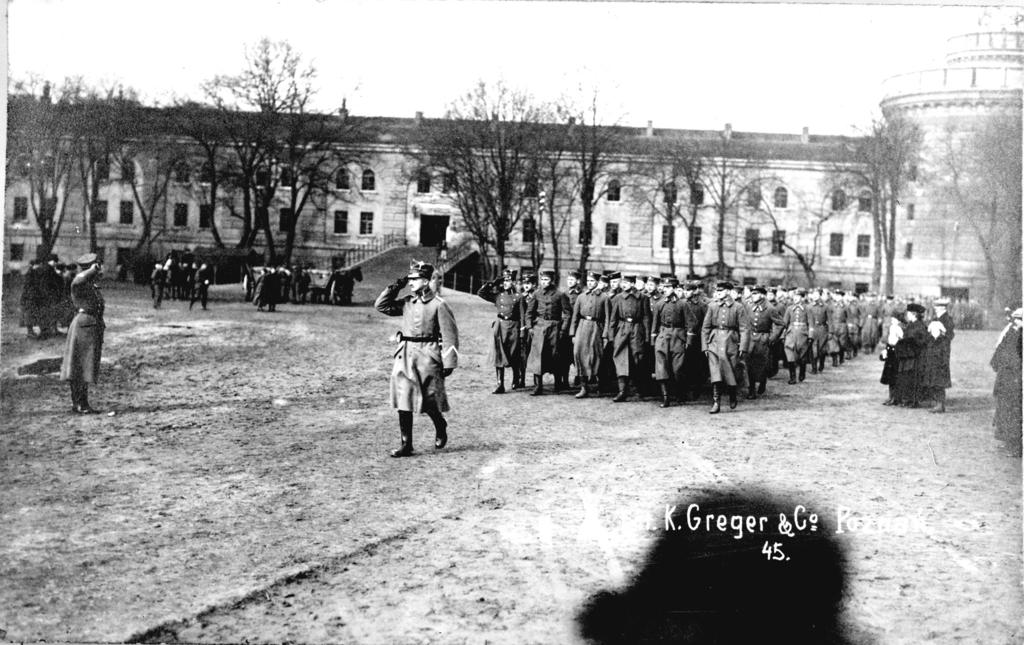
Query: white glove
point(936, 329)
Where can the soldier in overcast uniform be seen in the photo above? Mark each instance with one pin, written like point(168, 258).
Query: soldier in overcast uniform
point(695, 365)
point(428, 352)
point(725, 339)
point(549, 317)
point(668, 333)
point(935, 377)
point(628, 334)
point(764, 331)
point(504, 349)
point(798, 334)
point(589, 318)
point(84, 346)
point(565, 352)
point(818, 319)
point(528, 289)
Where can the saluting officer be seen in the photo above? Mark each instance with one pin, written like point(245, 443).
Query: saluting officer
point(589, 318)
point(764, 331)
point(668, 332)
point(549, 317)
point(84, 346)
point(628, 333)
point(725, 339)
point(428, 352)
point(504, 349)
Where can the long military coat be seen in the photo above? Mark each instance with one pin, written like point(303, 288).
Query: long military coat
point(628, 333)
point(724, 334)
point(763, 332)
point(549, 317)
point(818, 319)
point(504, 349)
point(427, 345)
point(84, 345)
point(796, 333)
point(870, 325)
point(589, 319)
point(669, 331)
point(837, 330)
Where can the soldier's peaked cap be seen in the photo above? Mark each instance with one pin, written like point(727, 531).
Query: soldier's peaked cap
point(575, 274)
point(655, 279)
point(671, 281)
point(509, 274)
point(760, 289)
point(528, 277)
point(548, 273)
point(88, 258)
point(628, 278)
point(594, 274)
point(615, 275)
point(724, 285)
point(420, 270)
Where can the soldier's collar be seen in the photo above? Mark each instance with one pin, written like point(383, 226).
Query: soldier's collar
point(425, 296)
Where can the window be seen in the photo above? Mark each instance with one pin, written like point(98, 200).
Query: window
point(860, 287)
point(287, 177)
point(366, 223)
point(127, 212)
point(124, 255)
point(181, 171)
point(103, 169)
point(284, 220)
point(781, 198)
point(181, 214)
point(448, 183)
point(530, 187)
point(695, 238)
point(529, 230)
point(908, 251)
point(341, 222)
point(863, 246)
point(21, 209)
point(262, 177)
point(835, 244)
point(17, 252)
point(670, 193)
point(128, 170)
point(749, 281)
point(99, 211)
point(205, 216)
point(838, 199)
point(423, 182)
point(341, 179)
point(614, 191)
point(912, 172)
point(910, 212)
point(752, 240)
point(778, 242)
point(864, 202)
point(369, 180)
point(668, 236)
point(697, 195)
point(585, 233)
point(206, 173)
point(611, 234)
point(754, 197)
point(49, 209)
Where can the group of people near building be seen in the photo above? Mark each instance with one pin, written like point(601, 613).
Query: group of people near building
point(665, 338)
point(181, 281)
point(46, 297)
point(269, 286)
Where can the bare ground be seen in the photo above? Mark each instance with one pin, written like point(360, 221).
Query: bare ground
point(242, 490)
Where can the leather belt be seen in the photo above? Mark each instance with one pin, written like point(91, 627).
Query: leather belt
point(629, 320)
point(664, 326)
point(420, 339)
point(587, 317)
point(726, 328)
point(505, 317)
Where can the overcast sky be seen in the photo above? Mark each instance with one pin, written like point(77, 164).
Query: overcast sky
point(764, 67)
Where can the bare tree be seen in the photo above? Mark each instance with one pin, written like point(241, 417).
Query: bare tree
point(806, 254)
point(212, 158)
point(980, 171)
point(160, 160)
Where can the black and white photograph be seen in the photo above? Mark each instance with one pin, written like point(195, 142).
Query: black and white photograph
point(494, 321)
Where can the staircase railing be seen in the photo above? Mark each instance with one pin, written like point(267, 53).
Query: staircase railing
point(350, 257)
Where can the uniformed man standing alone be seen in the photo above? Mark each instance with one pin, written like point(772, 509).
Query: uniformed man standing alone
point(504, 350)
point(428, 351)
point(549, 317)
point(81, 365)
point(725, 339)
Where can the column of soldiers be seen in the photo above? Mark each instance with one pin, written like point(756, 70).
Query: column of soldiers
point(664, 338)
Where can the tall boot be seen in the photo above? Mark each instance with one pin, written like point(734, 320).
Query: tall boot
point(803, 372)
point(716, 398)
point(83, 399)
point(623, 390)
point(814, 364)
point(821, 364)
point(792, 373)
point(583, 393)
point(440, 428)
point(835, 360)
point(664, 394)
point(76, 396)
point(538, 385)
point(518, 382)
point(751, 393)
point(499, 372)
point(732, 397)
point(405, 428)
point(940, 401)
point(762, 386)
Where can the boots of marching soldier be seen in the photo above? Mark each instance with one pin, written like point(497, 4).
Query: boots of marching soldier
point(814, 365)
point(576, 381)
point(538, 385)
point(751, 390)
point(405, 428)
point(583, 393)
point(561, 382)
point(716, 398)
point(821, 364)
point(623, 390)
point(940, 401)
point(761, 387)
point(440, 428)
point(842, 356)
point(664, 394)
point(803, 372)
point(732, 397)
point(835, 360)
point(80, 398)
point(518, 379)
point(792, 373)
point(499, 373)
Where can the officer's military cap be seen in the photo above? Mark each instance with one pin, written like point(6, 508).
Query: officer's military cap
point(594, 275)
point(941, 302)
point(547, 273)
point(672, 281)
point(528, 278)
point(604, 277)
point(916, 308)
point(615, 275)
point(760, 289)
point(801, 292)
point(575, 274)
point(88, 258)
point(724, 285)
point(509, 274)
point(652, 278)
point(628, 278)
point(420, 270)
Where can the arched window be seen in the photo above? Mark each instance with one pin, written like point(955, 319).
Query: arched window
point(697, 194)
point(341, 179)
point(754, 196)
point(423, 182)
point(670, 193)
point(287, 177)
point(181, 172)
point(781, 199)
point(838, 199)
point(206, 173)
point(369, 180)
point(614, 190)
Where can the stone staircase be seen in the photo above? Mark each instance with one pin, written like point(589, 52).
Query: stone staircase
point(383, 268)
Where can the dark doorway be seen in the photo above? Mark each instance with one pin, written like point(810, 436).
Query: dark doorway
point(433, 229)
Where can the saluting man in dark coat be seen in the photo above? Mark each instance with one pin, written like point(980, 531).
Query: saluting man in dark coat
point(504, 349)
point(725, 339)
point(84, 347)
point(935, 378)
point(428, 352)
point(628, 332)
point(668, 331)
point(549, 317)
point(764, 331)
point(590, 316)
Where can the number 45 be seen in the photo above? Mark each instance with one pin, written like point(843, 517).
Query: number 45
point(773, 551)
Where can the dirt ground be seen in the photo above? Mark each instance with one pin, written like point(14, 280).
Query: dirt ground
point(242, 490)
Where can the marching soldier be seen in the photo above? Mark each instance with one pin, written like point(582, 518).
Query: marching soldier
point(818, 320)
point(589, 318)
point(628, 333)
point(606, 378)
point(870, 323)
point(528, 287)
point(428, 352)
point(157, 282)
point(695, 365)
point(725, 340)
point(668, 332)
point(549, 318)
point(565, 352)
point(798, 332)
point(504, 350)
point(837, 332)
point(764, 331)
point(853, 323)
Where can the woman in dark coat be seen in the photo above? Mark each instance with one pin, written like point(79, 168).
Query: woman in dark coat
point(893, 334)
point(1007, 364)
point(935, 378)
point(908, 357)
point(81, 365)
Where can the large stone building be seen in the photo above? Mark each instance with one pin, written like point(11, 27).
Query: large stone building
point(800, 205)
